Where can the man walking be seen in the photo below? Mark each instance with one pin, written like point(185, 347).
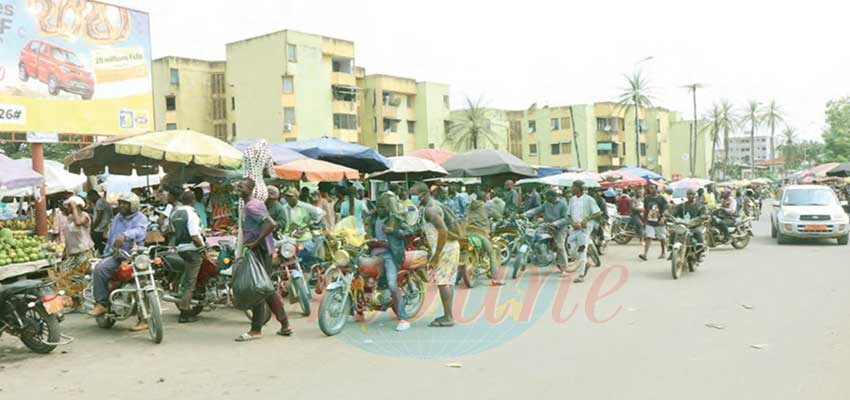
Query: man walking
point(185, 232)
point(102, 219)
point(655, 208)
point(583, 210)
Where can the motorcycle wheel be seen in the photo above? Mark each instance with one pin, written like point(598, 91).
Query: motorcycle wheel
point(196, 310)
point(303, 295)
point(504, 245)
point(333, 311)
point(741, 243)
point(677, 262)
point(155, 317)
point(104, 322)
point(518, 263)
point(621, 238)
point(40, 331)
point(414, 297)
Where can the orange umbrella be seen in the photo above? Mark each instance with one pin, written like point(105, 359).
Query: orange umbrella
point(314, 171)
point(436, 155)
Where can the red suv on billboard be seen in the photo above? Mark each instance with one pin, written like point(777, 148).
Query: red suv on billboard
point(59, 68)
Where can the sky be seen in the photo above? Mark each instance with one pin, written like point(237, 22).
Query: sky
point(513, 54)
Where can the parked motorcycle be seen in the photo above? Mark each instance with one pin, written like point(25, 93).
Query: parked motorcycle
point(357, 285)
point(622, 229)
point(212, 288)
point(504, 233)
point(684, 246)
point(31, 311)
point(739, 235)
point(133, 292)
point(535, 245)
point(288, 275)
point(474, 261)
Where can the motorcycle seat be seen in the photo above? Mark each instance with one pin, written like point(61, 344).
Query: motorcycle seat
point(18, 287)
point(174, 262)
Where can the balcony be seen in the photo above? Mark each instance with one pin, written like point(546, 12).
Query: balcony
point(344, 107)
point(348, 135)
point(343, 79)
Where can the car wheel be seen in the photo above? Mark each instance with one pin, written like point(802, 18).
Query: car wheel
point(780, 238)
point(22, 72)
point(772, 230)
point(52, 85)
point(844, 240)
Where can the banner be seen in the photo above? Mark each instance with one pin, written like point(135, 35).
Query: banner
point(74, 66)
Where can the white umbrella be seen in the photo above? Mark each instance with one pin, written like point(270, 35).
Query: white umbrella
point(565, 179)
point(406, 167)
point(56, 180)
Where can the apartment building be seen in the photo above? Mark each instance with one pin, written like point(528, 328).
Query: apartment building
point(740, 147)
point(400, 114)
point(190, 94)
point(289, 85)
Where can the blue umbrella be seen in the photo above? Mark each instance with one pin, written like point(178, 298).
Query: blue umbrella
point(280, 153)
point(547, 171)
point(361, 158)
point(641, 172)
point(16, 175)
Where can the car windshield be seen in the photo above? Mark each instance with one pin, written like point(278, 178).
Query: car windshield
point(809, 197)
point(66, 56)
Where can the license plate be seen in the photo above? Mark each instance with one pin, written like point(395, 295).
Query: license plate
point(815, 227)
point(55, 305)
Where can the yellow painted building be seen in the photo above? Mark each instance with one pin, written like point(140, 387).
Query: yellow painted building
point(190, 94)
point(399, 115)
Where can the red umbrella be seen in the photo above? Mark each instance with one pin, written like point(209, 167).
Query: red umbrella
point(621, 179)
point(436, 155)
point(314, 171)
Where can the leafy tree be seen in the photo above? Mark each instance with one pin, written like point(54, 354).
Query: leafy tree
point(52, 151)
point(773, 116)
point(636, 94)
point(836, 136)
point(471, 128)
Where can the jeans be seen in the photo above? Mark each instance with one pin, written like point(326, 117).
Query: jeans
point(103, 273)
point(560, 239)
point(193, 261)
point(578, 244)
point(487, 244)
point(391, 273)
point(274, 301)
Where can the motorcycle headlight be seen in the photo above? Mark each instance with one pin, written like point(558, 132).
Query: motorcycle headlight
point(287, 251)
point(341, 258)
point(142, 262)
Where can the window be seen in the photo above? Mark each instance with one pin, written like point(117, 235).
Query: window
point(658, 124)
point(217, 84)
point(643, 149)
point(233, 129)
point(34, 46)
point(446, 101)
point(447, 126)
point(291, 139)
point(374, 124)
point(390, 150)
point(219, 108)
point(556, 149)
point(345, 121)
point(233, 103)
point(344, 93)
point(561, 148)
point(292, 53)
point(565, 123)
point(288, 118)
point(430, 145)
point(390, 125)
point(170, 103)
point(532, 149)
point(532, 127)
point(607, 149)
point(288, 85)
point(411, 127)
point(555, 125)
point(566, 148)
point(221, 131)
point(642, 125)
point(603, 125)
point(390, 99)
point(344, 65)
point(411, 101)
point(175, 76)
point(171, 127)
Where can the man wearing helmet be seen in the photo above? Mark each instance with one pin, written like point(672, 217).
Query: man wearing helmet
point(128, 228)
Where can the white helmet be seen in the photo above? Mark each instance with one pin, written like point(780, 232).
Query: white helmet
point(134, 201)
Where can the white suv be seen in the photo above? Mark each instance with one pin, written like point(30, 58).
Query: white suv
point(809, 212)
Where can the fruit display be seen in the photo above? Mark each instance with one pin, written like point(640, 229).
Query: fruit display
point(18, 224)
point(18, 248)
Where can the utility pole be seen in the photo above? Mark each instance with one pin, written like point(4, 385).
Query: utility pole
point(575, 137)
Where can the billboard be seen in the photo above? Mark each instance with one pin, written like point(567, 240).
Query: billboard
point(74, 66)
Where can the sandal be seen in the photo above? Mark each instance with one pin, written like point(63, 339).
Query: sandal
point(496, 283)
point(141, 326)
point(642, 257)
point(285, 332)
point(247, 337)
point(441, 323)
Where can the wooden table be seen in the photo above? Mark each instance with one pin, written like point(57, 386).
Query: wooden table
point(16, 270)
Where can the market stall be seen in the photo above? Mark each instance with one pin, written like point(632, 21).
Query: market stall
point(361, 158)
point(494, 165)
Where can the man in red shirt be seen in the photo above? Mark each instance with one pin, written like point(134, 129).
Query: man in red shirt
point(624, 205)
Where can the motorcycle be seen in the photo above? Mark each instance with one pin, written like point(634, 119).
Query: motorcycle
point(133, 292)
point(474, 261)
point(31, 311)
point(622, 229)
point(504, 233)
point(212, 288)
point(288, 276)
point(739, 234)
point(357, 285)
point(535, 246)
point(684, 247)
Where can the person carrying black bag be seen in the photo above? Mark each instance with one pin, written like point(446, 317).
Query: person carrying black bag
point(185, 232)
point(257, 227)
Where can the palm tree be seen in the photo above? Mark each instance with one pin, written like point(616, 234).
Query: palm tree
point(692, 89)
point(727, 124)
point(636, 94)
point(753, 117)
point(789, 147)
point(471, 128)
point(772, 117)
point(713, 121)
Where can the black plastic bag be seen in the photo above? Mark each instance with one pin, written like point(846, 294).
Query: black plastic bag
point(251, 283)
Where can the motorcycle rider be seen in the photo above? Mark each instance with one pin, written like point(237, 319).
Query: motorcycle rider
point(128, 228)
point(582, 211)
point(478, 225)
point(298, 214)
point(726, 213)
point(386, 225)
point(511, 198)
point(275, 207)
point(555, 215)
point(185, 231)
point(655, 209)
point(691, 209)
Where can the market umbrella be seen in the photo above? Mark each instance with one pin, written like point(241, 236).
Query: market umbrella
point(56, 180)
point(280, 153)
point(842, 170)
point(438, 156)
point(147, 151)
point(690, 183)
point(547, 171)
point(564, 179)
point(821, 170)
point(314, 171)
point(361, 158)
point(487, 162)
point(641, 172)
point(16, 175)
point(622, 179)
point(407, 167)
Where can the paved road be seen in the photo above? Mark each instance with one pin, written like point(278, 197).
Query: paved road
point(791, 301)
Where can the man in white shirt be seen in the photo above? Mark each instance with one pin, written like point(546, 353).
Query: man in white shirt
point(186, 236)
point(583, 210)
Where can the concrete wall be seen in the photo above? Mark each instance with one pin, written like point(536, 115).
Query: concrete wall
point(193, 94)
point(431, 112)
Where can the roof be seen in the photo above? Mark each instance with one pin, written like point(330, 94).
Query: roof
point(289, 30)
